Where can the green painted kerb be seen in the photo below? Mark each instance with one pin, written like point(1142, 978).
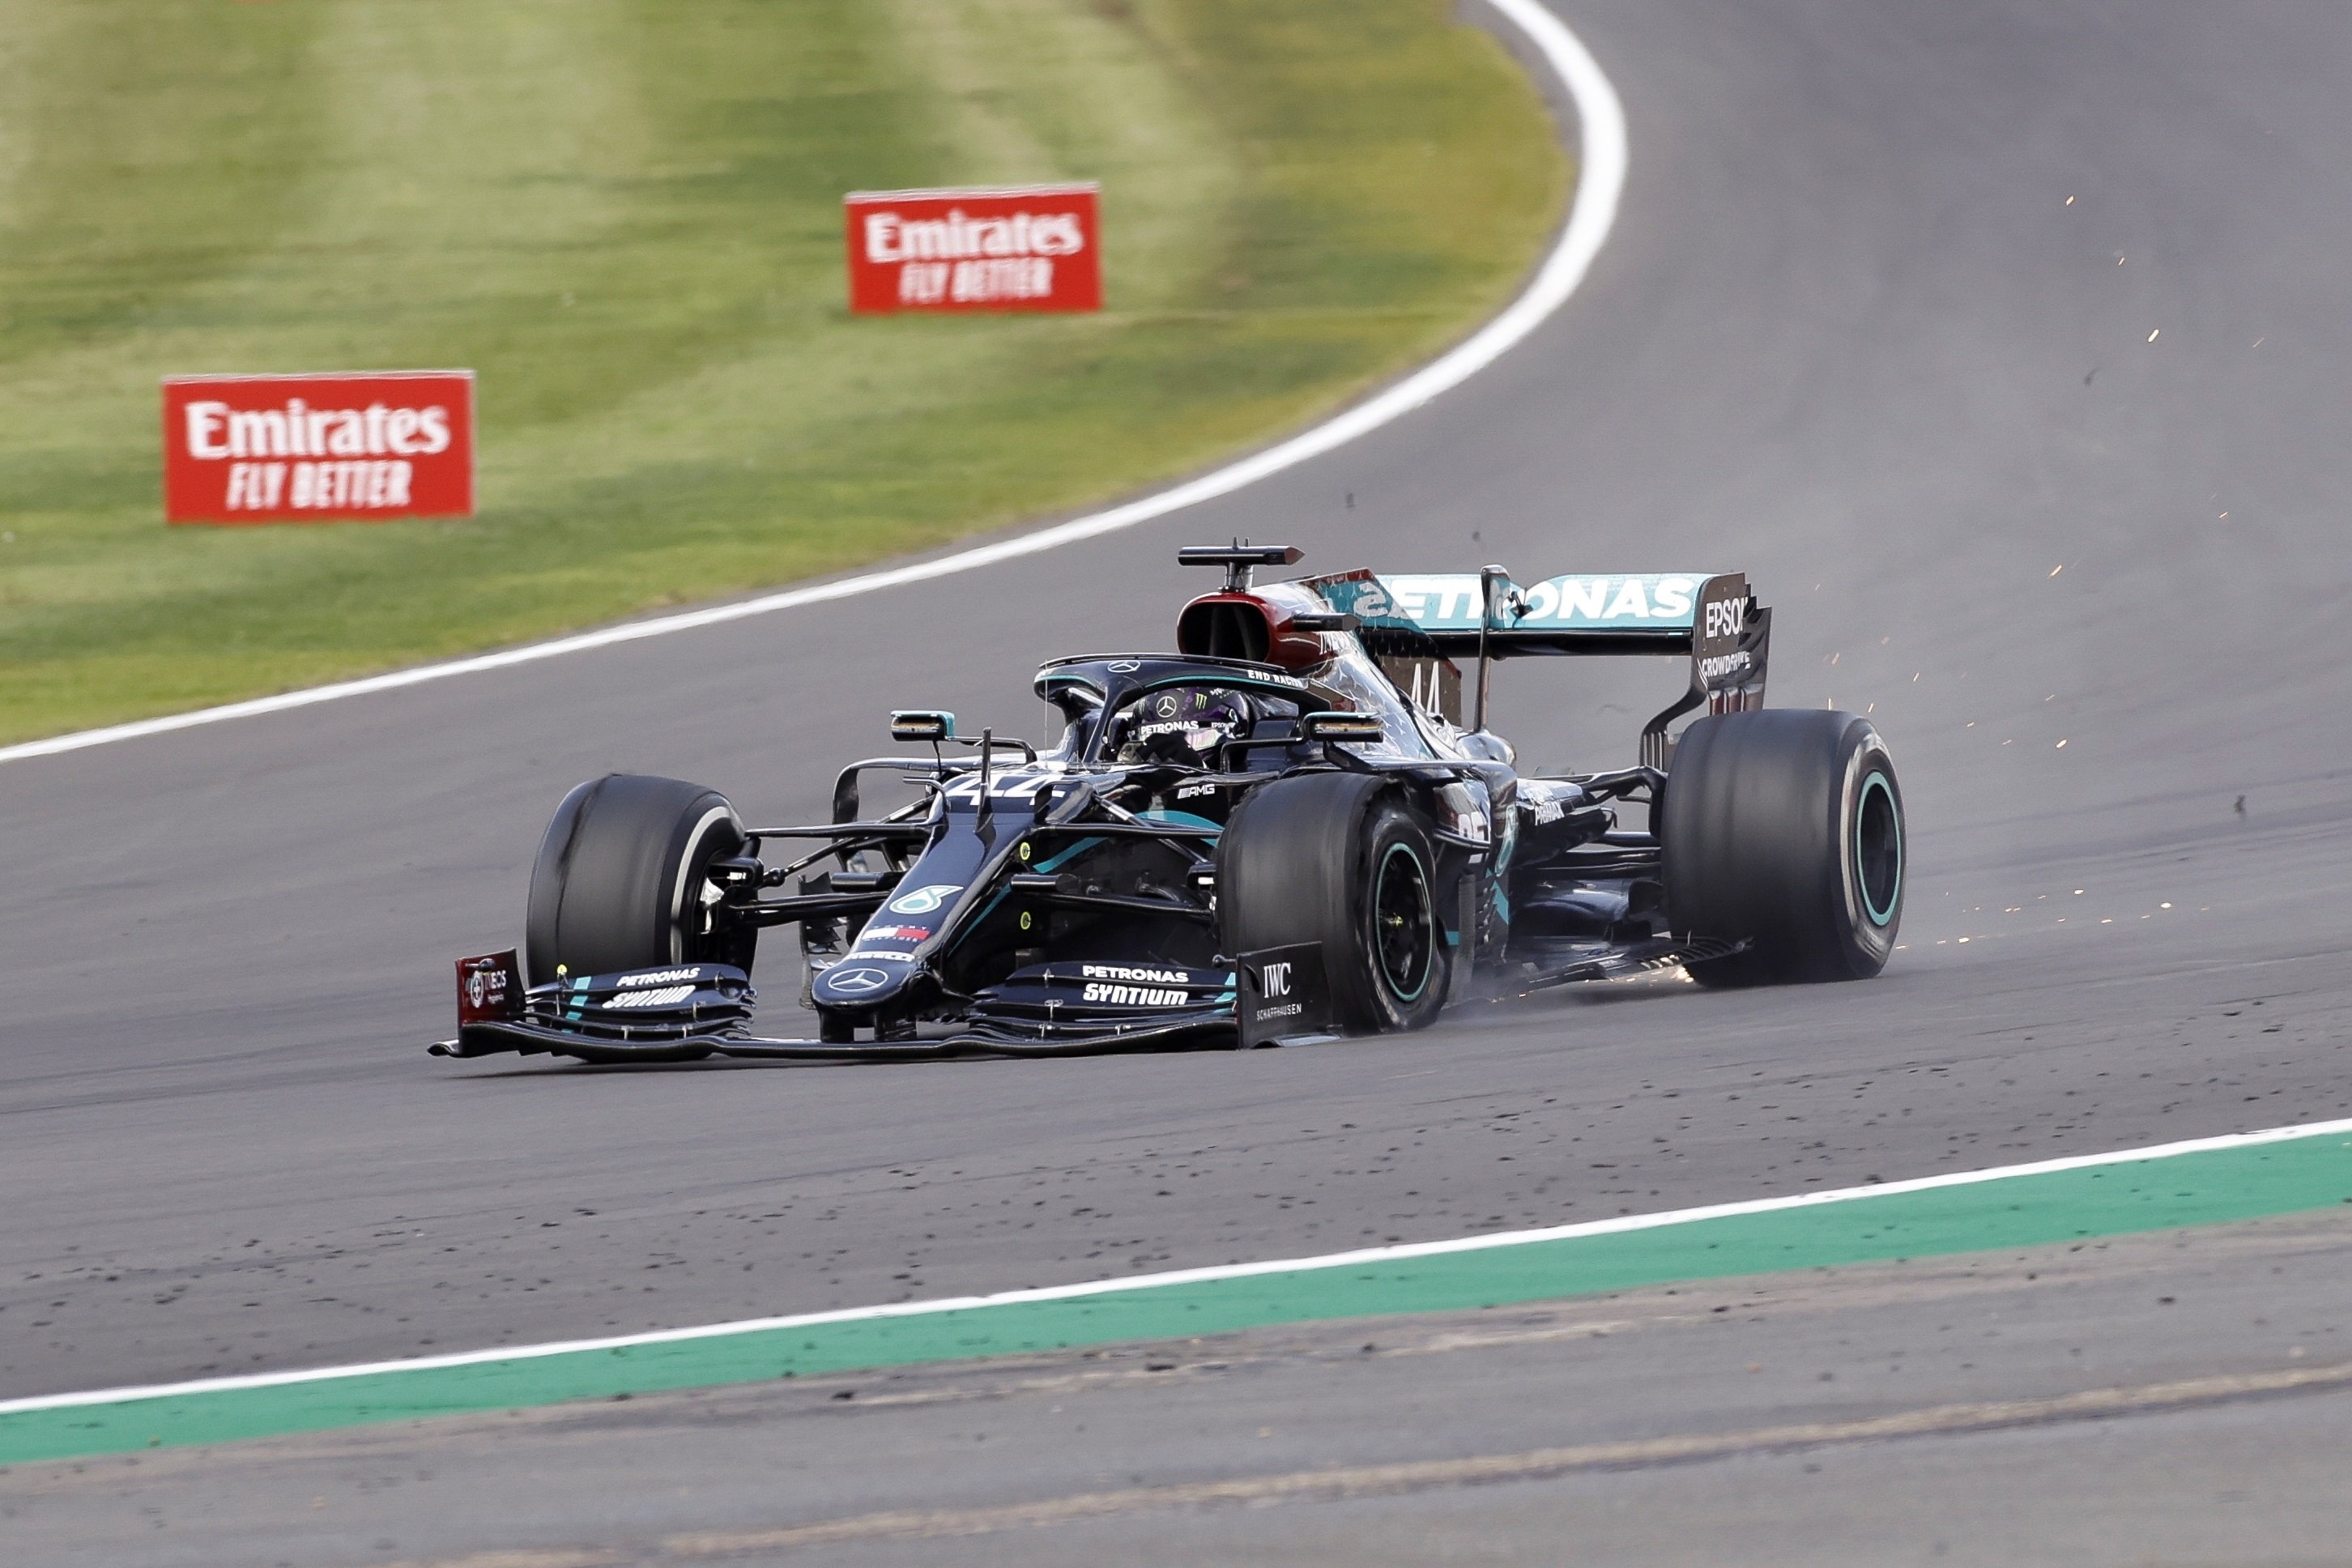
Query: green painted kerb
point(2202, 1188)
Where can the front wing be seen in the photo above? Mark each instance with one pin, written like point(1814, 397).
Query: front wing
point(691, 1012)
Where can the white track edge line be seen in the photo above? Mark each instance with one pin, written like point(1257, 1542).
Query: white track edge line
point(1499, 1240)
point(1601, 179)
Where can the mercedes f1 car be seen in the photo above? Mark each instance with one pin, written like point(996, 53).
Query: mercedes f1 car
point(1287, 827)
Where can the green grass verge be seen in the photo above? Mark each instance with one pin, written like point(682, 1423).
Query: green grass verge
point(625, 215)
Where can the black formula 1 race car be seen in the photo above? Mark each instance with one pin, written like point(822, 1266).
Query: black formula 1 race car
point(1288, 827)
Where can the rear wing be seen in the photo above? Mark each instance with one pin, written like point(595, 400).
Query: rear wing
point(1709, 616)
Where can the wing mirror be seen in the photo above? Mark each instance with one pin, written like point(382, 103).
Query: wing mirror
point(922, 724)
point(1335, 726)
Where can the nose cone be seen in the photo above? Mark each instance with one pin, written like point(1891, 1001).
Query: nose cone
point(859, 984)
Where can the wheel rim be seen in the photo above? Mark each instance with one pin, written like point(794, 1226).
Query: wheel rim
point(1878, 850)
point(691, 939)
point(1403, 931)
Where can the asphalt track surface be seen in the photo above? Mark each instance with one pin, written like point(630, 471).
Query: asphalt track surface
point(1849, 336)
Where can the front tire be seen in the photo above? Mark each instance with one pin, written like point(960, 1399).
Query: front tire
point(1338, 859)
point(1784, 827)
point(619, 879)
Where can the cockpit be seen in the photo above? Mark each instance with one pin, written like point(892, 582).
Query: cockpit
point(1250, 663)
point(1189, 725)
point(1171, 710)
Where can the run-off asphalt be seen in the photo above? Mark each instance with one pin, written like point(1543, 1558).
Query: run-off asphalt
point(1848, 332)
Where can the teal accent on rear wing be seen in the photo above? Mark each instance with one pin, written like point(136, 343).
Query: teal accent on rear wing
point(1709, 616)
point(1650, 612)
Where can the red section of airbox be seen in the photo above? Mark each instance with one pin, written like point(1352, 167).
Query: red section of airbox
point(318, 449)
point(1030, 247)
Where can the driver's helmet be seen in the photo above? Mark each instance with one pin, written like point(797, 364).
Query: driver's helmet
point(1184, 723)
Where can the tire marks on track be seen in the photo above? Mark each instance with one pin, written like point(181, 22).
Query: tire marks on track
point(1361, 1482)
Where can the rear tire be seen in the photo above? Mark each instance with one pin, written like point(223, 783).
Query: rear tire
point(1337, 858)
point(1784, 827)
point(618, 882)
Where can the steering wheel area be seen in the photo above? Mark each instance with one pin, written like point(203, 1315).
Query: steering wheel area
point(1189, 725)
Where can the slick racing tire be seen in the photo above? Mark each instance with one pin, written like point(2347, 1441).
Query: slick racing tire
point(1784, 827)
point(618, 882)
point(1337, 858)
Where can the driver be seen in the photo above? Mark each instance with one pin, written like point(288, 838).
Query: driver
point(1182, 724)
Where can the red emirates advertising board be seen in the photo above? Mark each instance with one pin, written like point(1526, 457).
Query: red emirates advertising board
point(318, 449)
point(1027, 247)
